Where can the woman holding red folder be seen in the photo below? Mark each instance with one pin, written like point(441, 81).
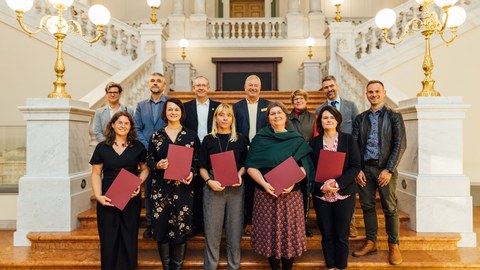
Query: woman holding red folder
point(220, 203)
point(278, 231)
point(334, 199)
point(172, 199)
point(118, 230)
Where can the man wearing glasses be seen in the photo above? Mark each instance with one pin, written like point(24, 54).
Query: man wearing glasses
point(113, 93)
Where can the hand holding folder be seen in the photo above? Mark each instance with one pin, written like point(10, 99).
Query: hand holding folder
point(122, 188)
point(284, 175)
point(330, 165)
point(179, 162)
point(225, 168)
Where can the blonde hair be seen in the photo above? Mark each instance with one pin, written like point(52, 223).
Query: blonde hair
point(229, 109)
point(299, 92)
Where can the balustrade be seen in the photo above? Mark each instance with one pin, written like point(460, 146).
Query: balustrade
point(255, 28)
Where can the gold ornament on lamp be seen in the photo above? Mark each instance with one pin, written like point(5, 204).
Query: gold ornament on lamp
point(310, 42)
point(337, 4)
point(453, 17)
point(59, 27)
point(183, 43)
point(154, 4)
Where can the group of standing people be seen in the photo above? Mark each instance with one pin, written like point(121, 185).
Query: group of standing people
point(261, 134)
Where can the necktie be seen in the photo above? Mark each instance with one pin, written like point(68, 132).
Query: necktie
point(334, 104)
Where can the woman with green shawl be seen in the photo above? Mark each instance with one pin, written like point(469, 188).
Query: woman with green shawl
point(278, 222)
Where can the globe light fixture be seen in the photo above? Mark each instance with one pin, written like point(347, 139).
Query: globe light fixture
point(310, 42)
point(154, 4)
point(183, 44)
point(337, 4)
point(452, 18)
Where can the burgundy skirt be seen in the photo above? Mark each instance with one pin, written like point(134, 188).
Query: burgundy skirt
point(278, 227)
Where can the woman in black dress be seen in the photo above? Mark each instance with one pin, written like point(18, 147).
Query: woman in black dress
point(172, 199)
point(222, 204)
point(334, 200)
point(118, 230)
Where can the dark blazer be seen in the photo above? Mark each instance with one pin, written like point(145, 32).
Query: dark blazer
point(191, 121)
point(351, 166)
point(144, 120)
point(242, 122)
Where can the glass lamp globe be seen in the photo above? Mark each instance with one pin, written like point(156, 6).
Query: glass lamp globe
point(99, 15)
point(456, 16)
point(421, 2)
point(20, 5)
point(54, 25)
point(309, 42)
point(385, 18)
point(443, 3)
point(61, 4)
point(183, 43)
point(154, 3)
point(337, 2)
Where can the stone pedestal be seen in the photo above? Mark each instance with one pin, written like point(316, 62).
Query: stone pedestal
point(56, 186)
point(339, 37)
point(316, 22)
point(295, 23)
point(312, 79)
point(182, 79)
point(153, 40)
point(432, 188)
point(176, 25)
point(197, 28)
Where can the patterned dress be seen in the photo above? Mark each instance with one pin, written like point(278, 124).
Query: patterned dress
point(172, 200)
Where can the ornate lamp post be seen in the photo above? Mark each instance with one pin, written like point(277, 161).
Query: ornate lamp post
point(452, 18)
point(59, 27)
point(183, 43)
point(310, 42)
point(154, 4)
point(337, 4)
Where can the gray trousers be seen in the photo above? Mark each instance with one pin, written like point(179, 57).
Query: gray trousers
point(219, 206)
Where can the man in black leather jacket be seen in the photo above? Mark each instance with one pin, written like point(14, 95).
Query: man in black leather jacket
point(380, 134)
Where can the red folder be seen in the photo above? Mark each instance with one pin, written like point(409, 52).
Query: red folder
point(330, 165)
point(284, 175)
point(122, 188)
point(224, 168)
point(179, 162)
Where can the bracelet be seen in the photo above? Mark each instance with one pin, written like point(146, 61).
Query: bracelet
point(206, 181)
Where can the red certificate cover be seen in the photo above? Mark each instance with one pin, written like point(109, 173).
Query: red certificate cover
point(284, 175)
point(330, 165)
point(224, 168)
point(122, 188)
point(179, 162)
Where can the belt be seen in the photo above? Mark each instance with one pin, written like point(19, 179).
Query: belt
point(372, 162)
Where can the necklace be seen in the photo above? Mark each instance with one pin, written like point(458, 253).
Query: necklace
point(220, 145)
point(120, 144)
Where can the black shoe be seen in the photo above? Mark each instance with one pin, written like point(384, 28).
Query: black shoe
point(148, 233)
point(308, 233)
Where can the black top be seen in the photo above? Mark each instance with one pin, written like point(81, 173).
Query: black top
point(113, 162)
point(221, 143)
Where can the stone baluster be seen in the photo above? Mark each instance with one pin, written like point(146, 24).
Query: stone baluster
point(268, 30)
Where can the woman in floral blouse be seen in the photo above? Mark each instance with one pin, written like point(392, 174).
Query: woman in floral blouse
point(172, 199)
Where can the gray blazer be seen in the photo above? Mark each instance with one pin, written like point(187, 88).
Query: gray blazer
point(348, 110)
point(101, 118)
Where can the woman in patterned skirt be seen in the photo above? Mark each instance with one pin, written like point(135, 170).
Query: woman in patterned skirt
point(172, 199)
point(278, 231)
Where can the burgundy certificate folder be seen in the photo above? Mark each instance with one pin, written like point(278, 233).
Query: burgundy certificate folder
point(179, 162)
point(330, 165)
point(284, 175)
point(122, 188)
point(224, 168)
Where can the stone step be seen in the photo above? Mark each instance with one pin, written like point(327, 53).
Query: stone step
point(88, 239)
point(89, 259)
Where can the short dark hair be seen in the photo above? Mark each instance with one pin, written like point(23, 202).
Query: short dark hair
point(329, 78)
point(336, 114)
point(375, 81)
point(177, 102)
point(109, 132)
point(112, 85)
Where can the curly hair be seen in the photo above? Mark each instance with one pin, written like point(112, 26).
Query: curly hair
point(109, 132)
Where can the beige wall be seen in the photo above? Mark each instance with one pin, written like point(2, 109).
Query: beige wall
point(456, 74)
point(27, 71)
point(8, 211)
point(288, 77)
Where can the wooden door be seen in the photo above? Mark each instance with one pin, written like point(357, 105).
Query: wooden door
point(247, 8)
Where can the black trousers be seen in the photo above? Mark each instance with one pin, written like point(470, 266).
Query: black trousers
point(198, 184)
point(248, 199)
point(334, 220)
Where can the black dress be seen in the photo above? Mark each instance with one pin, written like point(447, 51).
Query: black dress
point(172, 200)
point(118, 230)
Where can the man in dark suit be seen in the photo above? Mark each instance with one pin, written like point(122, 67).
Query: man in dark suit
point(199, 118)
point(250, 116)
point(147, 120)
point(348, 110)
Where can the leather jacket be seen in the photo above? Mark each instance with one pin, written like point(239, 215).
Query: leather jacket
point(391, 137)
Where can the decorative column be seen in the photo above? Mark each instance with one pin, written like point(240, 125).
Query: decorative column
point(311, 74)
point(268, 8)
point(56, 186)
point(339, 37)
point(316, 19)
point(176, 21)
point(153, 39)
point(226, 8)
point(183, 76)
point(197, 23)
point(431, 185)
point(295, 20)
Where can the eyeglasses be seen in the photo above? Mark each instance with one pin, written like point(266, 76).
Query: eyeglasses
point(113, 93)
